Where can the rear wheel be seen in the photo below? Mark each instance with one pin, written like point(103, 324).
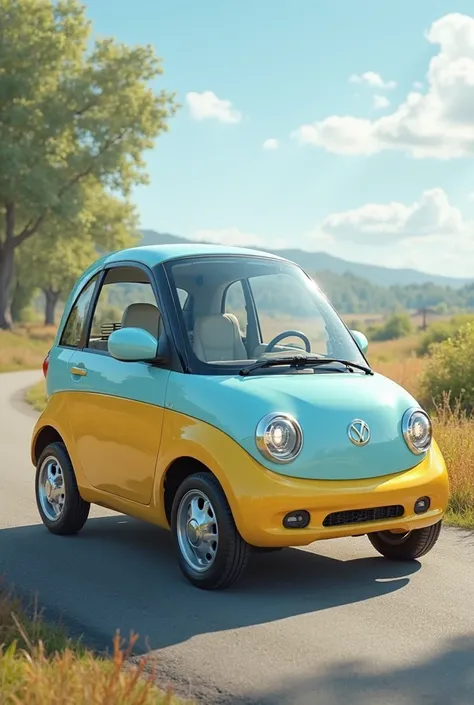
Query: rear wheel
point(211, 553)
point(61, 507)
point(407, 546)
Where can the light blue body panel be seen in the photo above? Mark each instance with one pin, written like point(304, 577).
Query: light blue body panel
point(135, 381)
point(324, 404)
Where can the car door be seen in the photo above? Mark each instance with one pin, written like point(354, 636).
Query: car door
point(116, 410)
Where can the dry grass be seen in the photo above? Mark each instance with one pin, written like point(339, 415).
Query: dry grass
point(39, 665)
point(453, 430)
point(25, 347)
point(36, 395)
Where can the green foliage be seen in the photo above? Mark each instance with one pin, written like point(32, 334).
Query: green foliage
point(398, 325)
point(355, 295)
point(74, 114)
point(54, 261)
point(449, 376)
point(442, 330)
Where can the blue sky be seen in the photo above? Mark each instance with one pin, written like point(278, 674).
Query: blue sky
point(396, 192)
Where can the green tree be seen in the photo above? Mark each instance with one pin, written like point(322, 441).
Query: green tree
point(398, 325)
point(70, 110)
point(54, 261)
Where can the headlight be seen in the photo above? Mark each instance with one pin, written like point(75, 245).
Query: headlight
point(279, 437)
point(417, 430)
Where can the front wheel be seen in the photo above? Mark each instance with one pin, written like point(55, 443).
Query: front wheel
point(211, 553)
point(408, 546)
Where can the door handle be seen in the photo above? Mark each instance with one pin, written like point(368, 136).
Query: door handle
point(80, 371)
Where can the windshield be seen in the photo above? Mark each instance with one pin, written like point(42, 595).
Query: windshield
point(236, 310)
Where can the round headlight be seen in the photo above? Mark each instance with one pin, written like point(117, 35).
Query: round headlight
point(417, 430)
point(279, 437)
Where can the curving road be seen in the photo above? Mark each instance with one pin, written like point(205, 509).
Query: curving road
point(324, 626)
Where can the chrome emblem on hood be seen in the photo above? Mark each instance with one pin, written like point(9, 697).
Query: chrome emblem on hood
point(359, 433)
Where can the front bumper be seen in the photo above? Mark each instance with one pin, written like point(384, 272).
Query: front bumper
point(260, 507)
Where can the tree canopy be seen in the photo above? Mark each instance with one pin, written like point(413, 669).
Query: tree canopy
point(71, 112)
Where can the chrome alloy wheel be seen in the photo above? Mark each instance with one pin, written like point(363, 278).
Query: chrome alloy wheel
point(197, 530)
point(51, 488)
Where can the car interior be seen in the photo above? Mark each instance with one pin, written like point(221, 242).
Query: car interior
point(215, 334)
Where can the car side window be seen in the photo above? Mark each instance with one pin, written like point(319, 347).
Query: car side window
point(126, 298)
point(234, 303)
point(72, 333)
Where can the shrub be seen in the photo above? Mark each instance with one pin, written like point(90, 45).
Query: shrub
point(442, 330)
point(449, 373)
point(398, 325)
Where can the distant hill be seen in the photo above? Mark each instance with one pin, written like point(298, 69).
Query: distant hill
point(322, 262)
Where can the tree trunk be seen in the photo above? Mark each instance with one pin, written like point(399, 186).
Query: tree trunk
point(6, 276)
point(51, 298)
point(21, 296)
point(7, 263)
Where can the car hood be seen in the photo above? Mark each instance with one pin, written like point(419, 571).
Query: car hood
point(325, 404)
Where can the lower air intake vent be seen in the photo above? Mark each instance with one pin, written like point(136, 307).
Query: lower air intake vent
point(360, 516)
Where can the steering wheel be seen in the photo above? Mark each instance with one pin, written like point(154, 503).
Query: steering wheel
point(286, 334)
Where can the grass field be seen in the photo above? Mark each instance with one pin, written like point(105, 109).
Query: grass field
point(39, 664)
point(24, 348)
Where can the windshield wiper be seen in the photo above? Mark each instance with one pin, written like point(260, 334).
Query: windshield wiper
point(302, 361)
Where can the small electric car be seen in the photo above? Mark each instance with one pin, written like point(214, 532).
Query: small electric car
point(214, 391)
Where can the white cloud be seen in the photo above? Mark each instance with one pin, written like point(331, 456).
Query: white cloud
point(471, 196)
point(431, 215)
point(372, 79)
point(271, 143)
point(206, 105)
point(380, 102)
point(418, 85)
point(438, 123)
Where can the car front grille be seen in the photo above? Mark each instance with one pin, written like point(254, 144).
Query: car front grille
point(360, 516)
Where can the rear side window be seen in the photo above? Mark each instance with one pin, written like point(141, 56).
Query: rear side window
point(71, 336)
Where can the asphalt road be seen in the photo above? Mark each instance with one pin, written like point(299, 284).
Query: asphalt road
point(328, 625)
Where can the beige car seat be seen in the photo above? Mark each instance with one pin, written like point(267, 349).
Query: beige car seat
point(218, 338)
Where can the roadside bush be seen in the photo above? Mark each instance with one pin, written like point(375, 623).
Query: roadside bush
point(449, 374)
point(398, 325)
point(442, 330)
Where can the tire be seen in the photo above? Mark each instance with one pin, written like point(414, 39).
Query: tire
point(54, 462)
point(406, 547)
point(227, 556)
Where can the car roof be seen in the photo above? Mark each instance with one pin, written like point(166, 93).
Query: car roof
point(152, 255)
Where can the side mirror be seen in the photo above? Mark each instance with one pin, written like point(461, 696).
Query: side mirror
point(361, 340)
point(132, 345)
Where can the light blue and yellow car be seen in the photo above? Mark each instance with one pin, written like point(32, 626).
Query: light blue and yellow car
point(215, 392)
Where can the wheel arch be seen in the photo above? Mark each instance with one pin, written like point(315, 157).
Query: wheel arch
point(178, 470)
point(44, 436)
